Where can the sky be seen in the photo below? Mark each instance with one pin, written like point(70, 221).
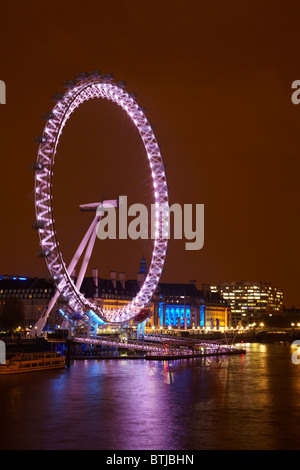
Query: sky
point(215, 79)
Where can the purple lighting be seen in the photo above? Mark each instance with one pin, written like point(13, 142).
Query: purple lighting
point(91, 86)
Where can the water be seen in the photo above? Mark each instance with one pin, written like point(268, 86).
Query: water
point(238, 402)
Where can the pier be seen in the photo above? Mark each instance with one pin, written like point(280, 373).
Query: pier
point(155, 345)
point(150, 348)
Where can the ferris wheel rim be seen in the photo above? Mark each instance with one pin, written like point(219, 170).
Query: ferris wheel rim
point(84, 90)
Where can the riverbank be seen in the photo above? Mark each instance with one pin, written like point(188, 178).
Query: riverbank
point(19, 344)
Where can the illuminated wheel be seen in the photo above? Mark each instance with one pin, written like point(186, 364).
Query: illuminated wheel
point(86, 87)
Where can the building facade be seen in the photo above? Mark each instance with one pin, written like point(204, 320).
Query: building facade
point(180, 306)
point(34, 294)
point(250, 301)
point(183, 306)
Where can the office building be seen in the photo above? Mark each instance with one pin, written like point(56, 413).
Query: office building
point(250, 302)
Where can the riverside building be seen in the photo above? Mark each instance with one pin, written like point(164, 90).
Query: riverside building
point(174, 305)
point(183, 306)
point(249, 302)
point(31, 294)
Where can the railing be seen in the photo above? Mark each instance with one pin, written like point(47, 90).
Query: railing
point(181, 340)
point(153, 348)
point(118, 343)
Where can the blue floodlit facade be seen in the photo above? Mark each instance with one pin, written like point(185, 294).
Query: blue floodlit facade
point(183, 306)
point(175, 315)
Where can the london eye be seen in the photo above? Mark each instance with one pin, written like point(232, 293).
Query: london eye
point(85, 87)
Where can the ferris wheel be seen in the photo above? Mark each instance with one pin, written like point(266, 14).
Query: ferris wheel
point(88, 86)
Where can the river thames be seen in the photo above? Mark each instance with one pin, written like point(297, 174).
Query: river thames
point(243, 402)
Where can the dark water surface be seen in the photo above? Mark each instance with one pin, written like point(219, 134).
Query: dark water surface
point(238, 402)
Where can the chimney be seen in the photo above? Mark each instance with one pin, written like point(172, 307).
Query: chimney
point(95, 276)
point(113, 278)
point(95, 279)
point(122, 279)
point(140, 277)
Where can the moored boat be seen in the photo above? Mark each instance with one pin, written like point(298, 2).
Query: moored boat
point(21, 363)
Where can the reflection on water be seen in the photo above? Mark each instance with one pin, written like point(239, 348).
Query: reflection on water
point(235, 402)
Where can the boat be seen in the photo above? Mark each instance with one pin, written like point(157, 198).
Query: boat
point(21, 363)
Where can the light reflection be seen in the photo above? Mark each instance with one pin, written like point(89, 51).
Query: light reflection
point(232, 402)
